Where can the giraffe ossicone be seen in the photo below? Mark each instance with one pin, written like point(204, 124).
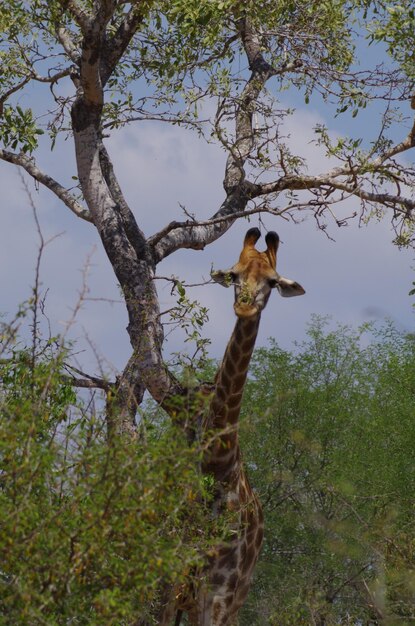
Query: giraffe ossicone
point(229, 568)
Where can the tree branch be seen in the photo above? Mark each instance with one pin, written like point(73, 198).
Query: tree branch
point(87, 383)
point(11, 91)
point(29, 164)
point(53, 78)
point(82, 17)
point(68, 45)
point(135, 235)
point(115, 47)
point(349, 178)
point(202, 232)
point(93, 30)
point(261, 71)
point(330, 183)
point(33, 76)
point(199, 234)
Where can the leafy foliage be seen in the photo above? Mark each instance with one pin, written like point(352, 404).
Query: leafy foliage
point(19, 129)
point(394, 23)
point(328, 435)
point(90, 530)
point(222, 67)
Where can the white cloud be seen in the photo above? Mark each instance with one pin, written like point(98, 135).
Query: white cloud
point(160, 166)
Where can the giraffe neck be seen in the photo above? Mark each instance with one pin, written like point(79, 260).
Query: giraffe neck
point(231, 376)
point(226, 403)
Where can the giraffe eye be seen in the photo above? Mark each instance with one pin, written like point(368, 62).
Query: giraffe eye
point(272, 282)
point(234, 277)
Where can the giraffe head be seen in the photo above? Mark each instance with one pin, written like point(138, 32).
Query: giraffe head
point(255, 275)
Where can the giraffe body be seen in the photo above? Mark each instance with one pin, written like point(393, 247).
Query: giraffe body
point(230, 567)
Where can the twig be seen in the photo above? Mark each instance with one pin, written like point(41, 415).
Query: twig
point(87, 381)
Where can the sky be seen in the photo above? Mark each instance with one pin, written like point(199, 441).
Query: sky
point(361, 276)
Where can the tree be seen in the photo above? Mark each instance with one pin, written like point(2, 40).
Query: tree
point(328, 433)
point(161, 62)
point(164, 62)
point(88, 529)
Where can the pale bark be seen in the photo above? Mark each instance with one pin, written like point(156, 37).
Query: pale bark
point(133, 257)
point(124, 242)
point(29, 165)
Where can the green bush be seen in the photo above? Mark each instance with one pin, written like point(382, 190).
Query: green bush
point(90, 530)
point(329, 435)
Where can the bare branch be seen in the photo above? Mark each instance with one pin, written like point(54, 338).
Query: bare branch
point(200, 229)
point(31, 168)
point(87, 381)
point(116, 46)
point(36, 287)
point(68, 45)
point(179, 119)
point(194, 235)
point(329, 182)
point(82, 17)
point(350, 178)
point(134, 234)
point(32, 75)
point(406, 144)
point(11, 91)
point(53, 78)
point(398, 203)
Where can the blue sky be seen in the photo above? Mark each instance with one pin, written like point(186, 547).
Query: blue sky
point(360, 276)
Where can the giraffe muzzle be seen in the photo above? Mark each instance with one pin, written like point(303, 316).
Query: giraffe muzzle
point(245, 309)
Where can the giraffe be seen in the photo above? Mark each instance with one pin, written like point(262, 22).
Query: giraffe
point(230, 565)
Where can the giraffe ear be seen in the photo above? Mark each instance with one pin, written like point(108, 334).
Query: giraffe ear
point(289, 288)
point(226, 278)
